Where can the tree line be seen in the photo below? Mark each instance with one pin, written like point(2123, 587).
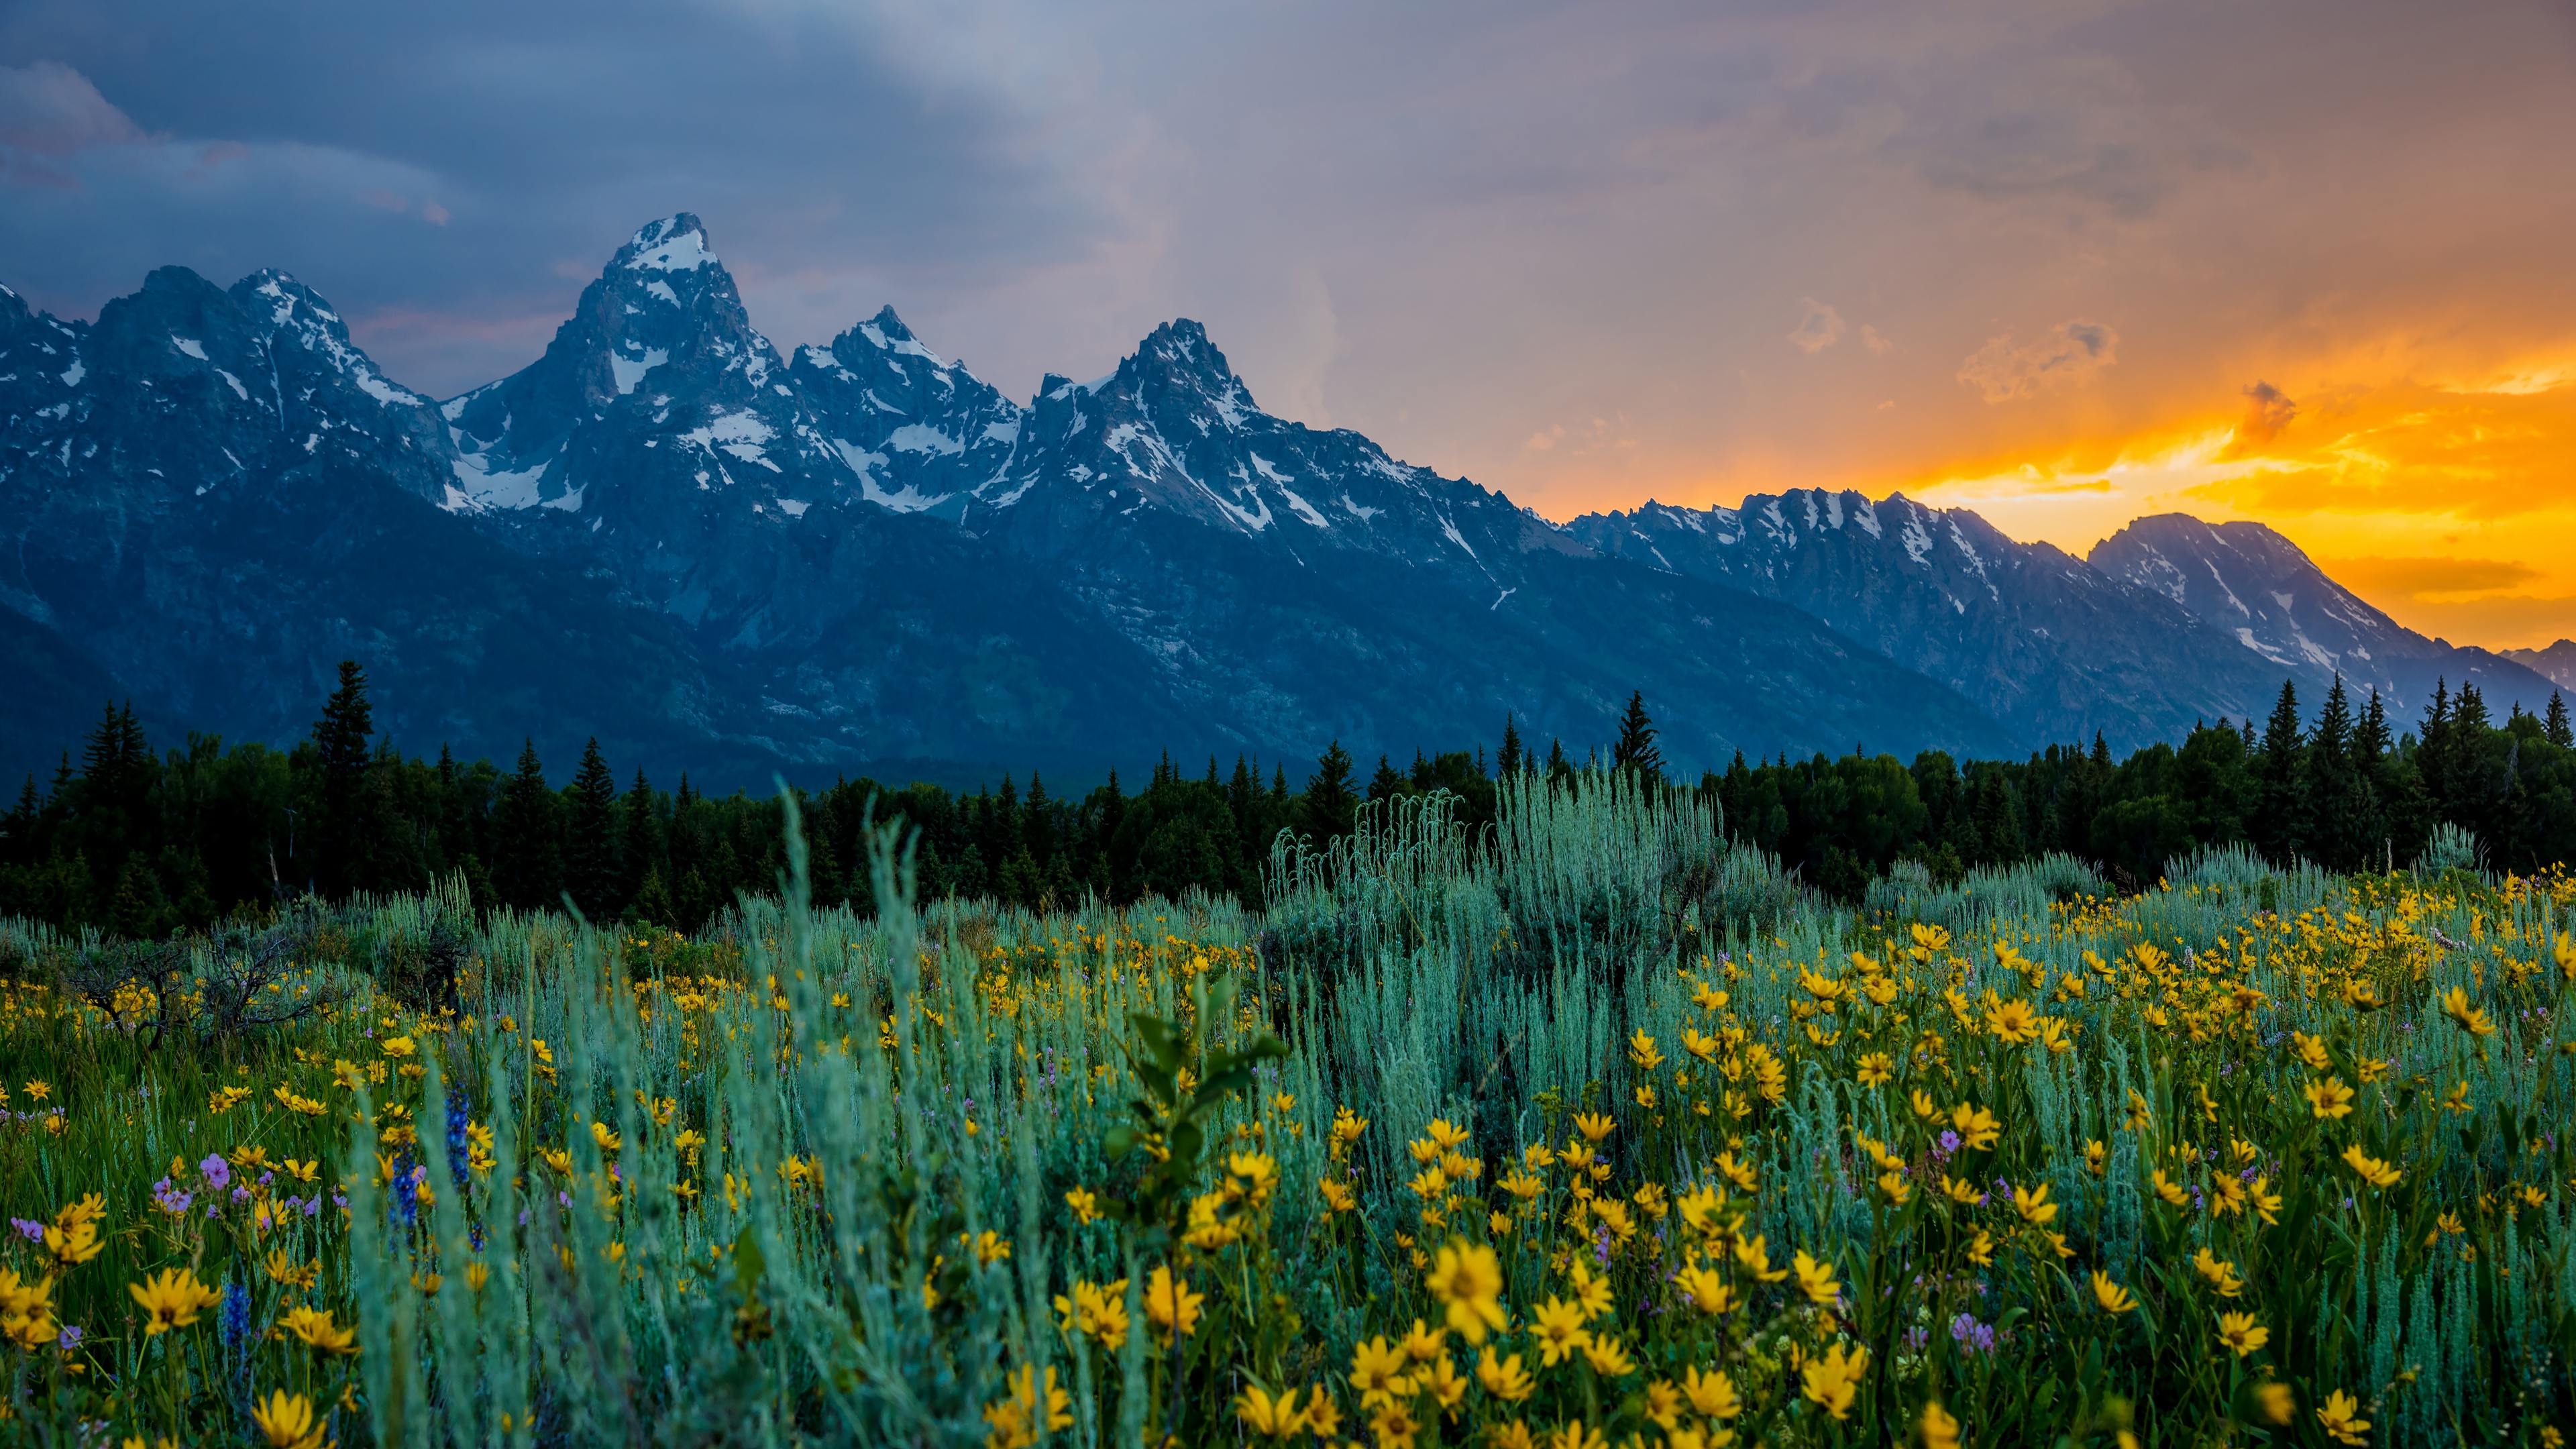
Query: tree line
point(139, 843)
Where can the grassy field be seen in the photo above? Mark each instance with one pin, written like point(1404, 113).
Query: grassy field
point(1594, 1131)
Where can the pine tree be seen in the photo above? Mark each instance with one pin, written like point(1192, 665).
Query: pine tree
point(592, 870)
point(1636, 747)
point(2554, 726)
point(111, 807)
point(639, 846)
point(1558, 766)
point(2279, 832)
point(2370, 742)
point(1510, 761)
point(2341, 810)
point(341, 829)
point(1329, 801)
point(1386, 784)
point(653, 904)
point(527, 866)
point(1037, 819)
point(18, 828)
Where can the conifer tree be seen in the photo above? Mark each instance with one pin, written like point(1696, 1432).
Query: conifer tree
point(341, 829)
point(112, 798)
point(1329, 799)
point(2279, 832)
point(639, 844)
point(1386, 784)
point(1635, 749)
point(18, 828)
point(1509, 762)
point(1037, 821)
point(2554, 725)
point(527, 864)
point(592, 869)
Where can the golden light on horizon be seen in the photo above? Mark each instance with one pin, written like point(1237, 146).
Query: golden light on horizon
point(2449, 504)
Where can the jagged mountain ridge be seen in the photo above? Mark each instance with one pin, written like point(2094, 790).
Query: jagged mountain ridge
point(664, 531)
point(2558, 661)
point(2246, 580)
point(2027, 631)
point(2131, 641)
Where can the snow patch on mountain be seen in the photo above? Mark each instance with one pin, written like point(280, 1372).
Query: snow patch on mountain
point(658, 249)
point(630, 370)
point(922, 438)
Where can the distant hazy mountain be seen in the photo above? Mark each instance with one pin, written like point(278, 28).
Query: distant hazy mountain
point(2035, 636)
point(665, 533)
point(2558, 661)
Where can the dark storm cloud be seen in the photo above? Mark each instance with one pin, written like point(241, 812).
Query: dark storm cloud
point(454, 167)
point(1456, 225)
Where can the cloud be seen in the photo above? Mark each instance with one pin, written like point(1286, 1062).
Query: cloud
point(49, 113)
point(1443, 220)
point(2067, 355)
point(2431, 574)
point(1876, 343)
point(2267, 411)
point(1821, 328)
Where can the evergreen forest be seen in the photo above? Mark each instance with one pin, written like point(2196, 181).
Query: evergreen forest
point(139, 841)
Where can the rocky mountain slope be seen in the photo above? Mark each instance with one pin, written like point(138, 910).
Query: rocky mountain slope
point(2245, 580)
point(2558, 661)
point(2031, 634)
point(2149, 634)
point(664, 532)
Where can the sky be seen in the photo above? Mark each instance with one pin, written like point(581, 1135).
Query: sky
point(2065, 264)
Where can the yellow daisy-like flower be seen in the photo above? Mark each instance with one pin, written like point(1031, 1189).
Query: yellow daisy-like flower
point(1560, 1330)
point(1272, 1418)
point(1469, 1279)
point(1170, 1305)
point(2241, 1333)
point(172, 1300)
point(314, 1327)
point(287, 1421)
point(2370, 1169)
point(1977, 1127)
point(1608, 1358)
point(1377, 1371)
point(2013, 1022)
point(2279, 1404)
point(1816, 1279)
point(1504, 1378)
point(1706, 1289)
point(1833, 1381)
point(1641, 1051)
point(2341, 1417)
point(1712, 1394)
point(2113, 1298)
point(2218, 1273)
point(2329, 1099)
point(2472, 1019)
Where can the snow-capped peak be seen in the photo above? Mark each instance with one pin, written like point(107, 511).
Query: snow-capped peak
point(676, 243)
point(886, 333)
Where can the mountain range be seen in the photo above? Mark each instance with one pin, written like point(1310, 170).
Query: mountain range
point(862, 557)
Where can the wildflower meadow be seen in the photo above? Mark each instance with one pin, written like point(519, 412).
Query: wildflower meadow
point(1587, 1128)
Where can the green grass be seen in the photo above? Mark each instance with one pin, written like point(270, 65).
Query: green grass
point(846, 1107)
